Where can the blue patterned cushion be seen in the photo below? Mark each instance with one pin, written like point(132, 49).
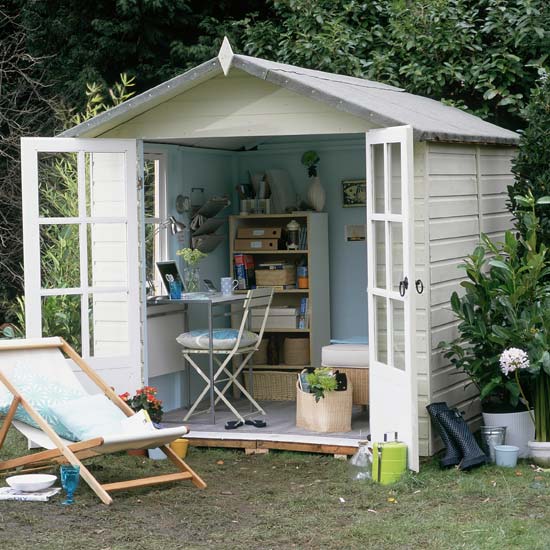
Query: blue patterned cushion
point(90, 416)
point(224, 338)
point(41, 393)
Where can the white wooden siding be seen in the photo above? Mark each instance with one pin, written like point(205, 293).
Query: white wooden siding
point(467, 197)
point(238, 105)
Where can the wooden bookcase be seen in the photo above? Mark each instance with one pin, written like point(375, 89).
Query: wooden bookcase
point(317, 256)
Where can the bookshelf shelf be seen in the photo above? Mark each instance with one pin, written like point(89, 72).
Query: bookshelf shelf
point(315, 299)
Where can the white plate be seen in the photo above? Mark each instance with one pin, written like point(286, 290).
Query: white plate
point(31, 482)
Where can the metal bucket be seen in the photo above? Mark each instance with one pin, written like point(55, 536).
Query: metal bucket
point(490, 437)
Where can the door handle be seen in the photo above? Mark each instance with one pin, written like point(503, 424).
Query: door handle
point(403, 286)
point(419, 286)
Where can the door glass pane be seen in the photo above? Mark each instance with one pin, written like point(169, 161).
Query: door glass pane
point(105, 188)
point(381, 329)
point(108, 320)
point(59, 256)
point(398, 333)
point(57, 185)
point(61, 317)
point(396, 235)
point(107, 254)
point(151, 188)
point(394, 162)
point(378, 174)
point(379, 254)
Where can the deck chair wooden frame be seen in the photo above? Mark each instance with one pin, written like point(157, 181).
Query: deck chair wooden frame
point(74, 453)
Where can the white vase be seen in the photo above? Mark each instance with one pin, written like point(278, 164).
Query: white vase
point(316, 195)
point(539, 451)
point(520, 428)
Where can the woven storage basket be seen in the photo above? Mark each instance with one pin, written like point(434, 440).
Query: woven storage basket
point(332, 413)
point(359, 379)
point(273, 385)
point(260, 357)
point(296, 351)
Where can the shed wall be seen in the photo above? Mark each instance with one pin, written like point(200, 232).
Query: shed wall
point(466, 197)
point(238, 105)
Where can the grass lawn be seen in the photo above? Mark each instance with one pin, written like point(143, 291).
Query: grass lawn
point(287, 500)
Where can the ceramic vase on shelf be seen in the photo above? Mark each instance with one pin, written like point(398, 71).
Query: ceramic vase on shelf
point(316, 195)
point(191, 279)
point(519, 428)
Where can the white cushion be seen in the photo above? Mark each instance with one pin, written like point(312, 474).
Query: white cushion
point(345, 355)
point(224, 338)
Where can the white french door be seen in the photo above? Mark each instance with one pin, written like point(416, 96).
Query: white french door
point(390, 253)
point(81, 254)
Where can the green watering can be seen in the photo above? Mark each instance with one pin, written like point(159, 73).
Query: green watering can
point(389, 460)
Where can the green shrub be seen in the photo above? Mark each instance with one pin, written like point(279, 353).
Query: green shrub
point(532, 165)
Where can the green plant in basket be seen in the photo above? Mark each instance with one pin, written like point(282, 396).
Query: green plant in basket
point(320, 381)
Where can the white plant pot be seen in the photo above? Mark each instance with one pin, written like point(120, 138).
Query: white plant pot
point(539, 452)
point(316, 195)
point(519, 428)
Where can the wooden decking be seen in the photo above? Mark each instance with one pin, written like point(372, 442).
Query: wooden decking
point(280, 433)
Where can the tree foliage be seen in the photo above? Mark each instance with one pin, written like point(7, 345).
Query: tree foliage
point(532, 164)
point(478, 55)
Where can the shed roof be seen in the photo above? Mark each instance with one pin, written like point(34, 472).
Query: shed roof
point(380, 104)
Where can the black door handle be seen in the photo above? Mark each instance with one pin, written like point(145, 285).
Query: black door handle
point(403, 286)
point(419, 286)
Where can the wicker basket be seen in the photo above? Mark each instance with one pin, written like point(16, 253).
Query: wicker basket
point(276, 277)
point(359, 379)
point(273, 385)
point(332, 413)
point(296, 351)
point(260, 357)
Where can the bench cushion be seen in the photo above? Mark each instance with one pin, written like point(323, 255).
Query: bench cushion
point(345, 355)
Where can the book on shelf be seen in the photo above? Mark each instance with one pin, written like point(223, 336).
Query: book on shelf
point(303, 315)
point(243, 265)
point(302, 238)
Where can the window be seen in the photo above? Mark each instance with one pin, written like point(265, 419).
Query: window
point(156, 241)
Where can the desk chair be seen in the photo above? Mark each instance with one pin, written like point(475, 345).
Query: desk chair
point(229, 343)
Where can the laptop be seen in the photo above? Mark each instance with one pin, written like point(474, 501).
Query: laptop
point(169, 268)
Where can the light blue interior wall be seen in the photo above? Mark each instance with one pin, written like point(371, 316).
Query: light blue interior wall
point(341, 158)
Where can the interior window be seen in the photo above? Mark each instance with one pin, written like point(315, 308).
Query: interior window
point(154, 184)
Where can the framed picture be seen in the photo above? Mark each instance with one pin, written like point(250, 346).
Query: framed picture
point(354, 193)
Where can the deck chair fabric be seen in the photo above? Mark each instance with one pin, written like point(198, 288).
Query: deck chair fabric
point(45, 357)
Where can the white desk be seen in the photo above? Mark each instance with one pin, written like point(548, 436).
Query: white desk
point(210, 300)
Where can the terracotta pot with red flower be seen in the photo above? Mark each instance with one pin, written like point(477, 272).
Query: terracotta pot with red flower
point(145, 399)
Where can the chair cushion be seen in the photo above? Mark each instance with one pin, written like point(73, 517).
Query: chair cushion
point(42, 393)
point(90, 416)
point(345, 355)
point(224, 338)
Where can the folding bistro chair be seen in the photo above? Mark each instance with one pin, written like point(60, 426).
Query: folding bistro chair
point(44, 357)
point(229, 342)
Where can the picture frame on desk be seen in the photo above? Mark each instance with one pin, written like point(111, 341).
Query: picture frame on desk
point(354, 193)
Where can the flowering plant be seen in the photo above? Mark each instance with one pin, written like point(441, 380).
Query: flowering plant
point(191, 256)
point(145, 399)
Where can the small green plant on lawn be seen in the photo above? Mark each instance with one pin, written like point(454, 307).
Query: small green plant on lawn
point(320, 381)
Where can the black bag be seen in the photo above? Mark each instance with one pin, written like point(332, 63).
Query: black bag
point(341, 381)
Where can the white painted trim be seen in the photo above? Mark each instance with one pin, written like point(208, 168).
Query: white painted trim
point(385, 378)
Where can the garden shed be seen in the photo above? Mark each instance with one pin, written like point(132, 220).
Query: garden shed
point(436, 178)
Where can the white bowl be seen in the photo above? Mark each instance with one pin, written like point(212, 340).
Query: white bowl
point(31, 482)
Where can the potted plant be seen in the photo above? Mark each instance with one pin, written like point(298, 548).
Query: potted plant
point(316, 195)
point(145, 399)
point(505, 305)
point(191, 274)
point(322, 408)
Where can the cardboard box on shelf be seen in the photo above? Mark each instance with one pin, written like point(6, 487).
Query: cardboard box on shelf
point(259, 233)
point(256, 244)
point(279, 317)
